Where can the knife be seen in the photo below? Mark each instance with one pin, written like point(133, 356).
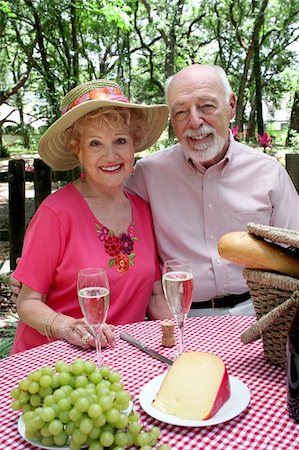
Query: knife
point(128, 338)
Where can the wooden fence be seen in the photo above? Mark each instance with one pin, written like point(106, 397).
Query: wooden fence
point(43, 177)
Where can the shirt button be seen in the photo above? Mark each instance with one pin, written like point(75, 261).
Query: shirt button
point(210, 205)
point(209, 177)
point(211, 236)
point(219, 261)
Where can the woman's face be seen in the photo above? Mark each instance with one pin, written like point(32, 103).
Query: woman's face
point(107, 155)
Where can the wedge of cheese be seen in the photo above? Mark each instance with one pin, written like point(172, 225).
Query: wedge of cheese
point(195, 387)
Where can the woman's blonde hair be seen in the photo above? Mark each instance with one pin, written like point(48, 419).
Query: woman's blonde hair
point(112, 118)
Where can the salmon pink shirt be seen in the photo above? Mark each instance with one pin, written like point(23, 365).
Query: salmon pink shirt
point(63, 237)
point(193, 207)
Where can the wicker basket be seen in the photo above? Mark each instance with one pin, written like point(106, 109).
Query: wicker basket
point(275, 298)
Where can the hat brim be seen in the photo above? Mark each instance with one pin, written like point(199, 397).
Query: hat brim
point(51, 146)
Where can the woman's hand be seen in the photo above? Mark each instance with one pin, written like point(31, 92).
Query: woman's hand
point(77, 332)
point(33, 311)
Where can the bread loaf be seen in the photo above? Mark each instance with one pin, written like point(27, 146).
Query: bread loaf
point(249, 251)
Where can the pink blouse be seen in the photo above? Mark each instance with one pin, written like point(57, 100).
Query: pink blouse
point(63, 237)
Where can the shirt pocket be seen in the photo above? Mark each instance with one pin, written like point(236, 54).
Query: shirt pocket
point(239, 220)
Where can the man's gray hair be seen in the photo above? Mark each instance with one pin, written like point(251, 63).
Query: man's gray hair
point(221, 74)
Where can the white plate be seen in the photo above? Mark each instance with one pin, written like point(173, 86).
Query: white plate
point(238, 401)
point(21, 429)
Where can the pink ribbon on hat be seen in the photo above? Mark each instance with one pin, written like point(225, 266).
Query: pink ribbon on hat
point(104, 93)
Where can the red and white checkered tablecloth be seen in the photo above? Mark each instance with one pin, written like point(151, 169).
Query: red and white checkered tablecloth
point(264, 425)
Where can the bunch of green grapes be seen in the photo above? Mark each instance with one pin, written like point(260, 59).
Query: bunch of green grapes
point(81, 406)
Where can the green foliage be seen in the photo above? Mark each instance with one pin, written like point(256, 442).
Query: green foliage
point(4, 152)
point(139, 44)
point(8, 322)
point(7, 333)
point(294, 142)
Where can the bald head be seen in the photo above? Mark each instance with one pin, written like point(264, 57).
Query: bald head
point(198, 71)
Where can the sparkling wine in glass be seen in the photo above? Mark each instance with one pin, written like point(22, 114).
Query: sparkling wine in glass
point(177, 283)
point(94, 295)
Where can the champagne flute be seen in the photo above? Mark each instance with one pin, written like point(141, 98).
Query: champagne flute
point(177, 283)
point(94, 295)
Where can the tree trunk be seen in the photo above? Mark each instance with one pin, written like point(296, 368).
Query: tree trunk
point(16, 208)
point(258, 87)
point(294, 120)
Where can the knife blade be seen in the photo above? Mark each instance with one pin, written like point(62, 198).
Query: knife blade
point(131, 340)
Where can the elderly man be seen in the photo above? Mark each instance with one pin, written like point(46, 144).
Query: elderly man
point(208, 185)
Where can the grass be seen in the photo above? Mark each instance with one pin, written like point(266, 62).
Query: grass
point(8, 325)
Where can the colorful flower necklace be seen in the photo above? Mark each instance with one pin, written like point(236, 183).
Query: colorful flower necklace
point(119, 248)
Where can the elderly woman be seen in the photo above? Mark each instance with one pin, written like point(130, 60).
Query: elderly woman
point(91, 221)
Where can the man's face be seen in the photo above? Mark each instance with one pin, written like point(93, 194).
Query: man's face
point(200, 113)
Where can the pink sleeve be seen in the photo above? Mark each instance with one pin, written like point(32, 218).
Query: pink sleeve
point(43, 247)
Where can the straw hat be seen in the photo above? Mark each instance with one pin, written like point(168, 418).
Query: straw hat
point(83, 99)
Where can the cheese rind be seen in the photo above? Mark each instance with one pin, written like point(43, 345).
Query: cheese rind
point(195, 387)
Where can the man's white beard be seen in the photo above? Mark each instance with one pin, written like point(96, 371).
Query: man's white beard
point(203, 151)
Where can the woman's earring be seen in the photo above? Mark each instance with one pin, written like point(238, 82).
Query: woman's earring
point(82, 174)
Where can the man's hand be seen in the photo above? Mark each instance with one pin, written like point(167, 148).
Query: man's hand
point(15, 287)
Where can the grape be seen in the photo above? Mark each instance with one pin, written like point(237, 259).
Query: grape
point(106, 402)
point(47, 370)
point(143, 438)
point(86, 425)
point(75, 415)
point(89, 367)
point(81, 381)
point(105, 371)
point(112, 415)
point(45, 432)
point(78, 437)
point(64, 404)
point(96, 377)
point(24, 384)
point(96, 446)
point(61, 438)
point(45, 381)
point(35, 400)
point(48, 441)
point(55, 427)
point(122, 421)
point(14, 393)
point(64, 379)
point(64, 416)
point(82, 404)
point(135, 427)
point(47, 414)
point(77, 367)
point(94, 410)
point(106, 438)
point(79, 405)
point(120, 438)
point(33, 387)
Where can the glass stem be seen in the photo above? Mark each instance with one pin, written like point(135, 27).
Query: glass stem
point(97, 336)
point(181, 322)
